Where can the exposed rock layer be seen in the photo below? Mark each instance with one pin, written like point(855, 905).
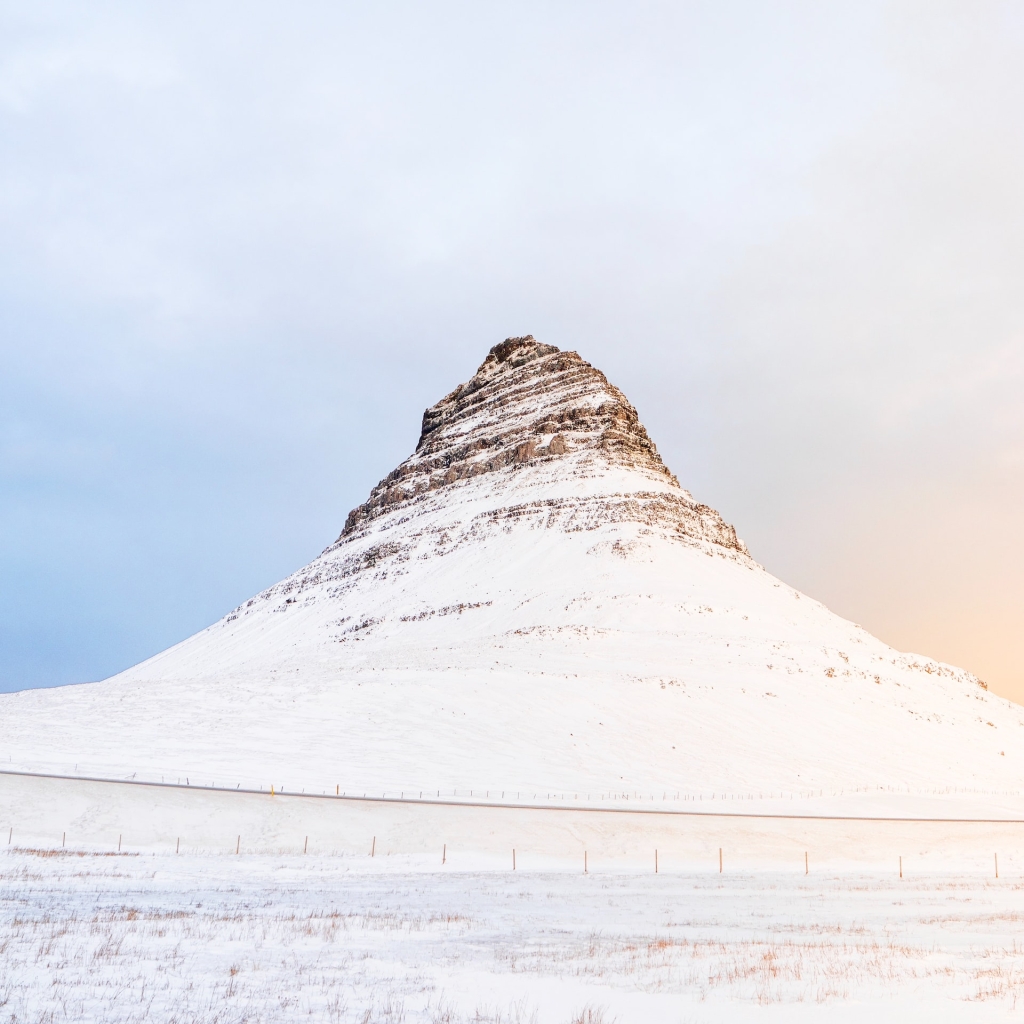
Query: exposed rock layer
point(532, 404)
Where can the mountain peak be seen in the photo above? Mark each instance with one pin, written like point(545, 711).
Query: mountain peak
point(516, 352)
point(541, 419)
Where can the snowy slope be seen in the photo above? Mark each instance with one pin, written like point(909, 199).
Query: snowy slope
point(532, 603)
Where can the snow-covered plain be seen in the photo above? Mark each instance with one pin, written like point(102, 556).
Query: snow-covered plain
point(106, 817)
point(204, 939)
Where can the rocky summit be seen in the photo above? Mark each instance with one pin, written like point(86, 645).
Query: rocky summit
point(530, 405)
point(530, 602)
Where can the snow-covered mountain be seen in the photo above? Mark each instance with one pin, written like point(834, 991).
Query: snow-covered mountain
point(530, 602)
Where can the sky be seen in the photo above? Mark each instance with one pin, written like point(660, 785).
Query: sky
point(243, 246)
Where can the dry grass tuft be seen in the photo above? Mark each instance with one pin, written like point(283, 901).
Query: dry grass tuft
point(591, 1015)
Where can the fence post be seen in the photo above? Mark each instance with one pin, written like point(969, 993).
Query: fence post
point(719, 860)
point(513, 860)
point(373, 849)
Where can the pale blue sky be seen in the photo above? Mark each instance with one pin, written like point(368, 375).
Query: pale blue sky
point(243, 246)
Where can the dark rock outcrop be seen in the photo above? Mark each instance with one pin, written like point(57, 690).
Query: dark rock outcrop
point(530, 404)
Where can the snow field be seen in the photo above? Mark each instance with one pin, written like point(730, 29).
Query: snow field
point(93, 816)
point(202, 938)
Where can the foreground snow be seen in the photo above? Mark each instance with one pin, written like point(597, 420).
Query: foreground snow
point(259, 938)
